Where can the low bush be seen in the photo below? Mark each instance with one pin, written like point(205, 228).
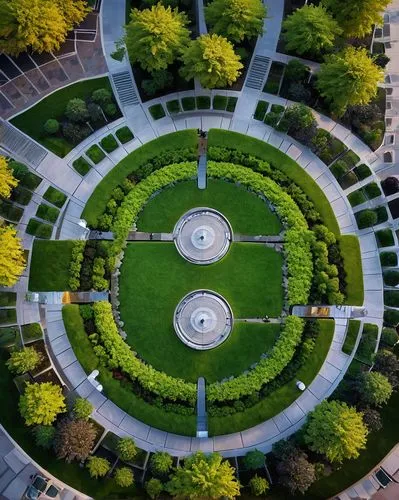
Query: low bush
point(156, 111)
point(339, 169)
point(388, 259)
point(368, 342)
point(126, 449)
point(231, 104)
point(10, 212)
point(47, 213)
point(55, 197)
point(351, 336)
point(350, 158)
point(39, 229)
point(203, 102)
point(81, 166)
point(26, 178)
point(390, 185)
point(21, 195)
point(31, 331)
point(391, 278)
point(124, 477)
point(260, 110)
point(391, 317)
point(124, 134)
point(356, 198)
point(188, 103)
point(348, 180)
point(109, 143)
point(220, 102)
point(385, 238)
point(173, 106)
point(391, 298)
point(327, 147)
point(51, 126)
point(362, 171)
point(95, 154)
point(8, 317)
point(372, 190)
point(76, 265)
point(366, 218)
point(82, 408)
point(99, 282)
point(8, 299)
point(389, 336)
point(382, 214)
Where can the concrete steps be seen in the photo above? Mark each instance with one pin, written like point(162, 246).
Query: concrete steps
point(258, 72)
point(124, 87)
point(18, 145)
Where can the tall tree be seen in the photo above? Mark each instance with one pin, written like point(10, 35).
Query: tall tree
point(336, 430)
point(41, 25)
point(211, 59)
point(236, 19)
point(41, 403)
point(204, 476)
point(7, 180)
point(348, 78)
point(310, 30)
point(156, 37)
point(12, 259)
point(356, 18)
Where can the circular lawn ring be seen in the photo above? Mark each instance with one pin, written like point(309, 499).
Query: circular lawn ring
point(203, 319)
point(202, 235)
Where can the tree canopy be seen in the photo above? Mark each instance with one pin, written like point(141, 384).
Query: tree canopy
point(310, 30)
point(236, 19)
point(211, 59)
point(336, 430)
point(348, 78)
point(204, 476)
point(7, 180)
point(374, 388)
point(74, 439)
point(12, 259)
point(41, 25)
point(41, 403)
point(356, 18)
point(156, 37)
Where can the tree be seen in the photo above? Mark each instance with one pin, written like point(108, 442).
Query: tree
point(98, 466)
point(211, 59)
point(299, 122)
point(12, 259)
point(82, 408)
point(259, 486)
point(335, 430)
point(374, 388)
point(74, 439)
point(356, 18)
point(51, 126)
point(155, 37)
point(25, 360)
point(41, 403)
point(124, 477)
point(76, 110)
point(160, 79)
point(7, 180)
point(310, 30)
point(127, 449)
point(44, 436)
point(372, 419)
point(348, 78)
point(161, 462)
point(38, 24)
point(254, 459)
point(387, 363)
point(366, 218)
point(236, 19)
point(75, 132)
point(153, 487)
point(204, 476)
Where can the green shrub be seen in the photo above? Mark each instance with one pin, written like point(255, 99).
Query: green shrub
point(362, 171)
point(348, 180)
point(98, 466)
point(81, 166)
point(391, 317)
point(188, 103)
point(10, 212)
point(389, 336)
point(220, 102)
point(388, 259)
point(384, 238)
point(102, 97)
point(156, 111)
point(203, 102)
point(76, 265)
point(82, 408)
point(382, 214)
point(21, 195)
point(127, 449)
point(277, 108)
point(99, 282)
point(391, 298)
point(391, 278)
point(124, 477)
point(124, 134)
point(356, 198)
point(8, 299)
point(37, 228)
point(95, 154)
point(55, 197)
point(8, 316)
point(368, 342)
point(24, 360)
point(372, 190)
point(109, 143)
point(260, 110)
point(51, 126)
point(366, 218)
point(153, 488)
point(231, 104)
point(76, 110)
point(254, 460)
point(32, 331)
point(173, 106)
point(111, 110)
point(161, 463)
point(47, 213)
point(259, 485)
point(339, 169)
point(44, 436)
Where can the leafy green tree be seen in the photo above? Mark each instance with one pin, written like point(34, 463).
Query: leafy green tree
point(254, 459)
point(374, 388)
point(98, 466)
point(259, 485)
point(161, 462)
point(153, 487)
point(211, 59)
point(41, 403)
point(156, 37)
point(124, 477)
point(74, 439)
point(25, 360)
point(7, 180)
point(82, 408)
point(127, 449)
point(387, 363)
point(75, 132)
point(12, 259)
point(357, 18)
point(102, 96)
point(348, 78)
point(76, 110)
point(204, 476)
point(236, 19)
point(299, 122)
point(372, 419)
point(51, 126)
point(296, 473)
point(44, 436)
point(336, 430)
point(310, 30)
point(160, 79)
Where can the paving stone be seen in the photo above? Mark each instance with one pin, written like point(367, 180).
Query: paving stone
point(294, 413)
point(260, 433)
point(84, 389)
point(345, 221)
point(203, 444)
point(102, 168)
point(134, 427)
point(227, 442)
point(340, 132)
point(314, 169)
point(193, 122)
point(157, 437)
point(319, 387)
point(60, 344)
point(367, 242)
point(66, 358)
point(55, 329)
point(75, 374)
point(294, 152)
point(374, 304)
point(52, 316)
point(332, 193)
point(307, 401)
point(180, 123)
point(86, 186)
point(337, 359)
point(339, 206)
point(96, 398)
point(275, 139)
point(211, 121)
point(373, 282)
point(371, 265)
point(282, 421)
point(111, 412)
point(285, 145)
point(257, 130)
point(226, 123)
point(182, 443)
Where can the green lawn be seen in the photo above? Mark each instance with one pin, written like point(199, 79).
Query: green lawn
point(282, 397)
point(281, 161)
point(101, 195)
point(350, 251)
point(154, 278)
point(351, 336)
point(120, 394)
point(31, 122)
point(49, 270)
point(246, 212)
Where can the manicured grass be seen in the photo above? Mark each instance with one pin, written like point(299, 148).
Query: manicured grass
point(31, 331)
point(98, 200)
point(55, 197)
point(124, 134)
point(220, 102)
point(39, 229)
point(260, 110)
point(357, 197)
point(351, 336)
point(280, 161)
point(121, 395)
point(31, 122)
point(188, 103)
point(154, 278)
point(10, 211)
point(231, 104)
point(81, 166)
point(156, 111)
point(8, 316)
point(109, 143)
point(49, 270)
point(95, 153)
point(8, 299)
point(283, 396)
point(246, 212)
point(350, 251)
point(47, 213)
point(385, 238)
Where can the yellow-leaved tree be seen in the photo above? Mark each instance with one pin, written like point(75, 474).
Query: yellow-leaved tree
point(7, 180)
point(12, 260)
